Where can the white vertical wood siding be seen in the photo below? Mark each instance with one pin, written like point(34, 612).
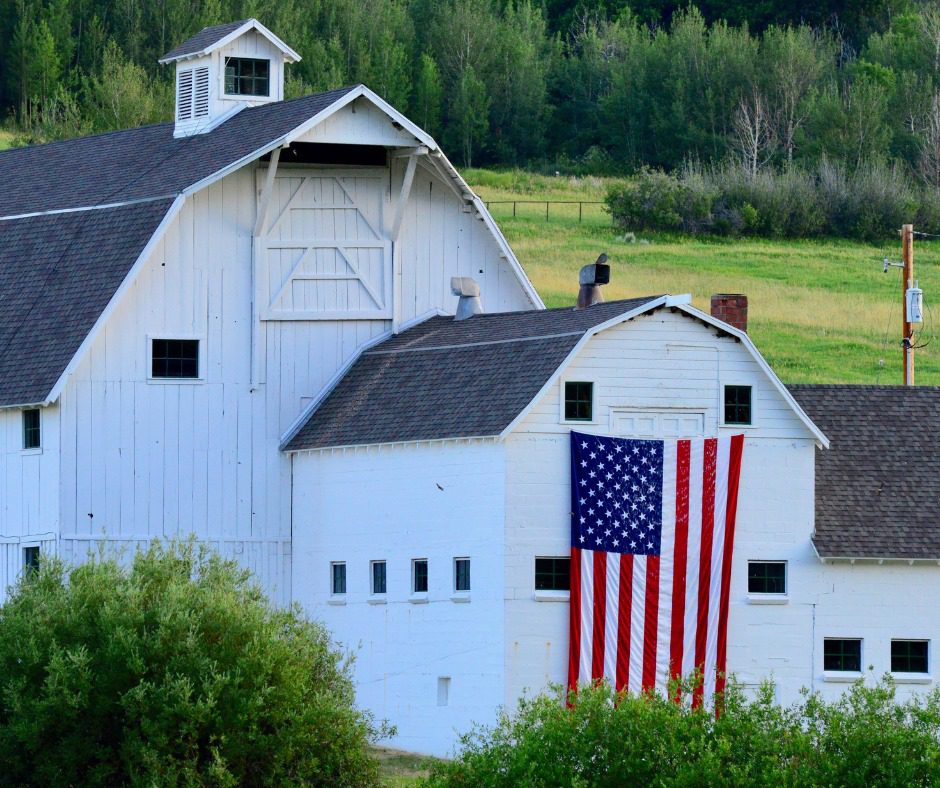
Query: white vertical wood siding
point(435, 502)
point(147, 459)
point(29, 508)
point(661, 374)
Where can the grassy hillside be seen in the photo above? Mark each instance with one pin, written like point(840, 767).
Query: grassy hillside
point(6, 139)
point(820, 311)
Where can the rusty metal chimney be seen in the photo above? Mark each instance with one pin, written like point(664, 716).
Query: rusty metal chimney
point(731, 308)
point(591, 278)
point(469, 292)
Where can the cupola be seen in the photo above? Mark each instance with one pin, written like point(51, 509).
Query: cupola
point(223, 69)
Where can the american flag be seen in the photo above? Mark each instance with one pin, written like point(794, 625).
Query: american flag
point(652, 530)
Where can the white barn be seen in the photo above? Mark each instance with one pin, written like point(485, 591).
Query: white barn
point(240, 326)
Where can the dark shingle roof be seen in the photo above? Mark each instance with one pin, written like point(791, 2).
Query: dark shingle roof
point(204, 38)
point(57, 274)
point(59, 270)
point(878, 485)
point(449, 379)
point(141, 163)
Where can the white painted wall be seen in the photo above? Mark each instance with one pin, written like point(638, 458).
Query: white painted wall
point(29, 515)
point(396, 504)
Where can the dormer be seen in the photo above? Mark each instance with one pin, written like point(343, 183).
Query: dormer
point(223, 69)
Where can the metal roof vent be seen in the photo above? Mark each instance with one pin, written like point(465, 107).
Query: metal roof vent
point(591, 278)
point(469, 292)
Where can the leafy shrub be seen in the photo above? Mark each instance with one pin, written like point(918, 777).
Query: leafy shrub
point(649, 201)
point(175, 671)
point(865, 738)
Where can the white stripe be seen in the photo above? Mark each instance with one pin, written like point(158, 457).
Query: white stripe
point(666, 565)
point(637, 617)
point(696, 460)
point(718, 549)
point(587, 614)
point(610, 614)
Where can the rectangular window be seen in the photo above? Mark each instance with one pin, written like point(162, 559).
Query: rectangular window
point(738, 405)
point(32, 429)
point(767, 577)
point(579, 401)
point(419, 576)
point(461, 574)
point(842, 654)
point(245, 76)
point(378, 577)
point(174, 358)
point(552, 574)
point(909, 656)
point(30, 559)
point(338, 577)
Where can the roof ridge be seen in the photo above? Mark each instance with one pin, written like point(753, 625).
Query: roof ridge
point(480, 343)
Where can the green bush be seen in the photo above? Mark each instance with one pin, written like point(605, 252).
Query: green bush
point(866, 738)
point(174, 671)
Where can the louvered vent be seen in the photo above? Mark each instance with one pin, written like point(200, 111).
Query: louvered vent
point(201, 102)
point(184, 94)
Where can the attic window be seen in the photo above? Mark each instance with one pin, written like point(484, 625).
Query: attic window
point(32, 429)
point(579, 401)
point(245, 76)
point(738, 405)
point(175, 358)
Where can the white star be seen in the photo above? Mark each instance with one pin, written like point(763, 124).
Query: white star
point(590, 530)
point(633, 545)
point(607, 532)
point(583, 444)
point(593, 456)
point(584, 463)
point(649, 545)
point(582, 539)
point(582, 501)
point(636, 450)
point(616, 543)
point(592, 474)
point(583, 520)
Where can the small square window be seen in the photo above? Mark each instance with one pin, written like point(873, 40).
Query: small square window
point(579, 401)
point(738, 405)
point(552, 574)
point(174, 358)
point(245, 76)
point(419, 576)
point(461, 574)
point(909, 656)
point(30, 559)
point(767, 577)
point(378, 577)
point(842, 654)
point(338, 577)
point(32, 429)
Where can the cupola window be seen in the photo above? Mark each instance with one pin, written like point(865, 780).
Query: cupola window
point(246, 76)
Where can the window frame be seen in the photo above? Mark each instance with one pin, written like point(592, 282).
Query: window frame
point(239, 95)
point(834, 673)
point(415, 563)
point(725, 385)
point(554, 574)
point(373, 565)
point(592, 419)
point(29, 566)
point(27, 429)
point(769, 597)
point(201, 359)
point(908, 674)
point(457, 590)
point(334, 565)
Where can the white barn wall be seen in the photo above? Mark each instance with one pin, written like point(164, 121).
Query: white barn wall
point(663, 363)
point(29, 514)
point(386, 503)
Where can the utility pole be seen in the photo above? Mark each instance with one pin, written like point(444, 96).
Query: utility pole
point(907, 282)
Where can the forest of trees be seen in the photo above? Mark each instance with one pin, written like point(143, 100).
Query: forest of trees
point(605, 86)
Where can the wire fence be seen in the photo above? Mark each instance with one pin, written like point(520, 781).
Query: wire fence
point(592, 211)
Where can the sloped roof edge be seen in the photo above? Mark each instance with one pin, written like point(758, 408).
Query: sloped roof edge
point(211, 38)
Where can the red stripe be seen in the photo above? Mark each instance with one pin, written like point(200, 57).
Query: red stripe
point(600, 610)
point(624, 613)
point(734, 474)
point(574, 641)
point(705, 559)
point(651, 622)
point(676, 636)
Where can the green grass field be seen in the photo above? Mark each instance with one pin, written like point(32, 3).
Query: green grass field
point(6, 139)
point(820, 311)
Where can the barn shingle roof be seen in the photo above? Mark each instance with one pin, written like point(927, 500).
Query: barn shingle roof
point(878, 485)
point(58, 271)
point(204, 38)
point(450, 379)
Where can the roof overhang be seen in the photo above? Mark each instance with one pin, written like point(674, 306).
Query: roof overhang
point(290, 56)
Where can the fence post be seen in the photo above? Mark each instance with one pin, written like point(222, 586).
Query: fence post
point(513, 209)
point(546, 210)
point(580, 205)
